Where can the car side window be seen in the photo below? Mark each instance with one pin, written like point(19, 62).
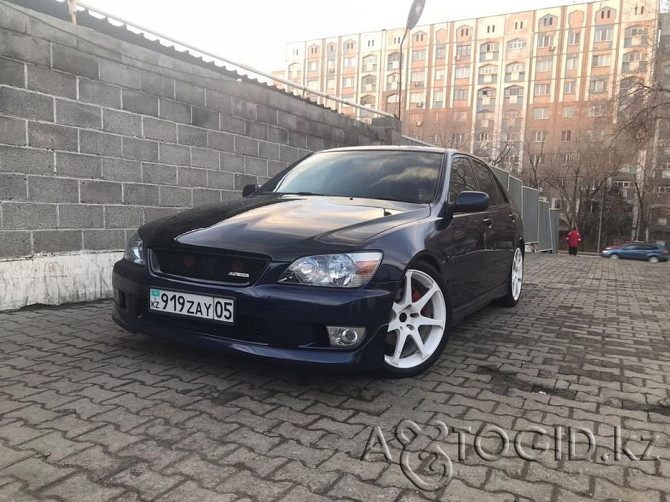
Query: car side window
point(462, 178)
point(488, 184)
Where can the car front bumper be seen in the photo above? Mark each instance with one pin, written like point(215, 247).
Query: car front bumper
point(275, 321)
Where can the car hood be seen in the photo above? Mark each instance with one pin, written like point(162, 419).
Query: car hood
point(282, 226)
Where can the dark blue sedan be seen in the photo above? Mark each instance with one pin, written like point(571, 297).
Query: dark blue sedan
point(647, 251)
point(357, 257)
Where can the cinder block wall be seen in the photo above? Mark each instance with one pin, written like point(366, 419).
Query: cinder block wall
point(98, 136)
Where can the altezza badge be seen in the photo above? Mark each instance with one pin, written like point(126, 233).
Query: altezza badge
point(239, 274)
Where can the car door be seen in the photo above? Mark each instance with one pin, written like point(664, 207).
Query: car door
point(500, 227)
point(462, 241)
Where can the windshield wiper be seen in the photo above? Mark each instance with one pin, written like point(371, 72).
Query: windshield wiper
point(299, 193)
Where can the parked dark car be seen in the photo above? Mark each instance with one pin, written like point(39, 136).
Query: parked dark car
point(648, 251)
point(361, 257)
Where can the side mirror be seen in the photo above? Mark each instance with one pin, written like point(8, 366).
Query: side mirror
point(249, 190)
point(471, 202)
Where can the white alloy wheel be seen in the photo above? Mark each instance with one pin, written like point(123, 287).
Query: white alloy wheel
point(418, 321)
point(614, 256)
point(517, 274)
point(653, 259)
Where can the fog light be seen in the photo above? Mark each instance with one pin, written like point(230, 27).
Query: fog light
point(343, 336)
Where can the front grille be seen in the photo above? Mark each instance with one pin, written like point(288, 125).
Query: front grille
point(225, 268)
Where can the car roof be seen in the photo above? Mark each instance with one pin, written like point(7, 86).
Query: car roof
point(399, 148)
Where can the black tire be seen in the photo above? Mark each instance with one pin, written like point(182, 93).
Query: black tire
point(389, 371)
point(653, 259)
point(508, 300)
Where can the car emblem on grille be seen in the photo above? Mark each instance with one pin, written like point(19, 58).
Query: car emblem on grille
point(189, 261)
point(237, 267)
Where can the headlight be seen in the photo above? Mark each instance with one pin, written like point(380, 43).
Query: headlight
point(134, 252)
point(347, 270)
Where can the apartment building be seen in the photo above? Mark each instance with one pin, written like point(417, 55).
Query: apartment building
point(508, 87)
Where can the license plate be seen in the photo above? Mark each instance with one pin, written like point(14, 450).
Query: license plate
point(199, 306)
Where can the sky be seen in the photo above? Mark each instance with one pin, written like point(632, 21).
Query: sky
point(255, 32)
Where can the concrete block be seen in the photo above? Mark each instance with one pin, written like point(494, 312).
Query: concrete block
point(122, 170)
point(74, 61)
point(287, 120)
point(155, 213)
point(26, 104)
point(314, 143)
point(275, 167)
point(220, 180)
point(162, 130)
point(266, 115)
point(277, 135)
point(45, 30)
point(100, 192)
point(100, 143)
point(174, 154)
point(75, 165)
point(204, 196)
point(297, 139)
point(256, 166)
point(120, 74)
point(12, 131)
point(12, 19)
point(28, 216)
point(50, 189)
point(139, 102)
point(232, 124)
point(26, 160)
point(13, 187)
point(222, 141)
point(91, 91)
point(57, 241)
point(243, 108)
point(190, 177)
point(208, 119)
point(12, 73)
point(192, 136)
point(51, 82)
point(24, 48)
point(241, 180)
point(201, 157)
point(140, 149)
point(14, 244)
point(231, 162)
point(189, 93)
point(157, 85)
point(288, 154)
point(257, 130)
point(123, 217)
point(102, 240)
point(52, 137)
point(176, 197)
point(246, 146)
point(269, 151)
point(177, 112)
point(78, 114)
point(160, 174)
point(140, 195)
point(124, 123)
point(219, 101)
point(78, 216)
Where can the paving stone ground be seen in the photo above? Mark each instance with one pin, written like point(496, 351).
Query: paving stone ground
point(90, 412)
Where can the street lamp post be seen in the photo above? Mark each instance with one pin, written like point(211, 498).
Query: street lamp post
point(415, 12)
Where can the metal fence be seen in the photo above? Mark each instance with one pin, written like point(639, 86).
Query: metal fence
point(540, 222)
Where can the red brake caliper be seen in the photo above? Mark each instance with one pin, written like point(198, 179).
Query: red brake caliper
point(416, 295)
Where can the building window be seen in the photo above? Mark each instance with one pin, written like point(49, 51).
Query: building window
point(441, 51)
point(635, 37)
point(313, 84)
point(540, 113)
point(465, 32)
point(313, 65)
point(634, 62)
point(296, 52)
point(416, 98)
point(604, 34)
point(566, 136)
point(439, 74)
point(569, 87)
point(348, 82)
point(457, 139)
point(369, 83)
point(419, 55)
point(460, 116)
point(371, 43)
point(547, 21)
point(568, 112)
point(330, 83)
point(573, 38)
point(596, 110)
point(605, 14)
point(349, 45)
point(571, 62)
point(314, 49)
point(545, 41)
point(370, 63)
point(601, 60)
point(518, 25)
point(537, 159)
point(460, 94)
point(294, 71)
point(397, 40)
point(438, 99)
point(544, 65)
point(542, 89)
point(418, 79)
point(491, 28)
point(419, 37)
point(462, 72)
point(349, 62)
point(462, 51)
point(598, 85)
point(517, 43)
point(393, 61)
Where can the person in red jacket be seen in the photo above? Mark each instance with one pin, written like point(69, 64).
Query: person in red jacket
point(573, 239)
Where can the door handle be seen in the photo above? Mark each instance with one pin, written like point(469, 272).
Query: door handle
point(512, 217)
point(488, 221)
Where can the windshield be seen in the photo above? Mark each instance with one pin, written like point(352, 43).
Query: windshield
point(390, 175)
